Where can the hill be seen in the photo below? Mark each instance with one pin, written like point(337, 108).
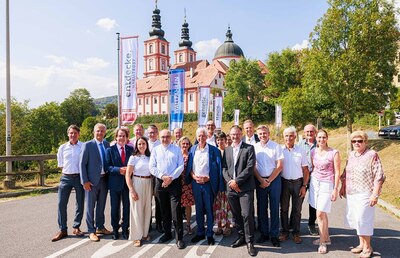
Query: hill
point(102, 102)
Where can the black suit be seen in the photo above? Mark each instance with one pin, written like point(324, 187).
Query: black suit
point(255, 138)
point(242, 203)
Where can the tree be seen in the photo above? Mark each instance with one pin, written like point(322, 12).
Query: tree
point(78, 106)
point(244, 82)
point(45, 128)
point(87, 128)
point(111, 111)
point(350, 67)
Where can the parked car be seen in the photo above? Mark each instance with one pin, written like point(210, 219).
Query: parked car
point(390, 132)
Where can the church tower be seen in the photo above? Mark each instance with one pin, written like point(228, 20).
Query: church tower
point(185, 52)
point(156, 49)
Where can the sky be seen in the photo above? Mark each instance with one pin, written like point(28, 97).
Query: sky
point(61, 45)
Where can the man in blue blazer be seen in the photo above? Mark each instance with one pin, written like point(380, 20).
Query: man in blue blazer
point(117, 159)
point(204, 170)
point(93, 170)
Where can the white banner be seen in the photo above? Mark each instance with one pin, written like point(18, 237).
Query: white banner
point(204, 106)
point(237, 111)
point(128, 74)
point(176, 94)
point(218, 112)
point(278, 116)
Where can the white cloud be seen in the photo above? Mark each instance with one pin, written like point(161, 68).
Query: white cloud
point(56, 59)
point(107, 23)
point(301, 46)
point(91, 63)
point(207, 48)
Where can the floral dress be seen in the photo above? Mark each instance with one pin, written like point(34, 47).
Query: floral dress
point(187, 198)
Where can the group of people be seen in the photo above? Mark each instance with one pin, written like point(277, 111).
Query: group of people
point(219, 174)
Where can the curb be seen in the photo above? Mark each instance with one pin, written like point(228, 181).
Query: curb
point(389, 207)
point(27, 192)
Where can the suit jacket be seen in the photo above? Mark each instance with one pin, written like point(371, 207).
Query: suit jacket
point(90, 162)
point(214, 162)
point(255, 138)
point(244, 167)
point(116, 181)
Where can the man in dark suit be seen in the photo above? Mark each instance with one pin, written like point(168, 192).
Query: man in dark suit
point(117, 160)
point(238, 170)
point(93, 170)
point(250, 137)
point(204, 171)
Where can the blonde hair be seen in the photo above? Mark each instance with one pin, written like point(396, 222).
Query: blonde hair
point(361, 134)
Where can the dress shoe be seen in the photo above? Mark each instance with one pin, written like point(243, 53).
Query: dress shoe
point(93, 237)
point(197, 238)
point(297, 239)
point(275, 242)
point(115, 235)
point(210, 240)
point(159, 228)
point(77, 232)
point(283, 237)
point(125, 233)
point(180, 244)
point(313, 230)
point(239, 242)
point(103, 231)
point(262, 239)
point(165, 238)
point(59, 236)
point(250, 248)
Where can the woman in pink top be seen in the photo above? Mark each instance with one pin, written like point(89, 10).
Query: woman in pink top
point(324, 185)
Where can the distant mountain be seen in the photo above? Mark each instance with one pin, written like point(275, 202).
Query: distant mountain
point(102, 102)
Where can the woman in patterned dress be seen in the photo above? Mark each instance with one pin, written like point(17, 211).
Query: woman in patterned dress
point(361, 185)
point(222, 210)
point(187, 199)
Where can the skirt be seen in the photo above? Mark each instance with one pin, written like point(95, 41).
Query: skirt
point(359, 214)
point(320, 195)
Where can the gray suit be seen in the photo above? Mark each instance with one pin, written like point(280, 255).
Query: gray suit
point(90, 170)
point(242, 203)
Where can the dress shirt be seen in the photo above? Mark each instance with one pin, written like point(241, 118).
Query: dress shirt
point(153, 144)
point(103, 172)
point(212, 141)
point(267, 155)
point(236, 149)
point(293, 162)
point(251, 140)
point(166, 161)
point(201, 165)
point(140, 165)
point(308, 148)
point(68, 157)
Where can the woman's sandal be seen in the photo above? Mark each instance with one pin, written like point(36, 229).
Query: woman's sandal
point(357, 249)
point(316, 242)
point(322, 249)
point(366, 254)
point(137, 243)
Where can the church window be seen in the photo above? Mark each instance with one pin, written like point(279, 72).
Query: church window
point(180, 58)
point(151, 64)
point(150, 48)
point(191, 97)
point(191, 57)
point(155, 100)
point(162, 49)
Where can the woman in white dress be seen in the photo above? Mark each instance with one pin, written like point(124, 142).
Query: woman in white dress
point(324, 185)
point(139, 181)
point(361, 185)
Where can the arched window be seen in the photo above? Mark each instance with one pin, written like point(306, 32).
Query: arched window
point(150, 48)
point(180, 59)
point(151, 64)
point(162, 49)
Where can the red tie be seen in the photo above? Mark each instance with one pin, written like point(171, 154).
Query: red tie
point(123, 155)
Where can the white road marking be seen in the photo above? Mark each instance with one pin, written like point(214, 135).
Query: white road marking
point(63, 251)
point(208, 252)
point(109, 249)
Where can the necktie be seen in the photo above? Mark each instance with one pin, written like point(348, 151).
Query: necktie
point(123, 155)
point(103, 154)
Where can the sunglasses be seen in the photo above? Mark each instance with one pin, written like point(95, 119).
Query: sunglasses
point(357, 141)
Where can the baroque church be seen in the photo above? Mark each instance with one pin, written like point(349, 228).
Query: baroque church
point(152, 90)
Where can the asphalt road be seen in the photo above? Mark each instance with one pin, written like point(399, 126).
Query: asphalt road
point(27, 225)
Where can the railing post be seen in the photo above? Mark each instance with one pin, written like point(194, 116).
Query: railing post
point(41, 173)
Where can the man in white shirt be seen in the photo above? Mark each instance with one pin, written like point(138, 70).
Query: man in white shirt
point(269, 165)
point(138, 130)
point(166, 164)
point(68, 161)
point(250, 137)
point(178, 133)
point(295, 176)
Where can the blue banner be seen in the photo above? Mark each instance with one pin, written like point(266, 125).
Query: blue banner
point(176, 96)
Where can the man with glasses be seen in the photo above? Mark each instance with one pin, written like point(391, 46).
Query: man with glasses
point(166, 164)
point(308, 144)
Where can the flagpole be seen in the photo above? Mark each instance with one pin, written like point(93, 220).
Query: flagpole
point(9, 181)
point(119, 83)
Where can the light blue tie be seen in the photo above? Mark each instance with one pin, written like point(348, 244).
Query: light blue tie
point(103, 155)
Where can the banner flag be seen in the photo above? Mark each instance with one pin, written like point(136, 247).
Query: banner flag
point(176, 95)
point(218, 112)
point(237, 111)
point(204, 95)
point(128, 74)
point(278, 116)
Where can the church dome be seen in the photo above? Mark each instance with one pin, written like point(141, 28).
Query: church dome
point(228, 48)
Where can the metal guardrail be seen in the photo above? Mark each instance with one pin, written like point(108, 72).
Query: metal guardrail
point(40, 158)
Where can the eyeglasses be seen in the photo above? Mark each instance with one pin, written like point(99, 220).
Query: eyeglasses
point(357, 141)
